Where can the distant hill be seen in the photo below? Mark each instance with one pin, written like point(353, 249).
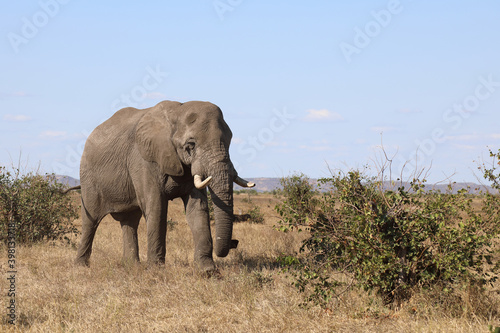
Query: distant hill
point(472, 187)
point(262, 184)
point(67, 180)
point(270, 184)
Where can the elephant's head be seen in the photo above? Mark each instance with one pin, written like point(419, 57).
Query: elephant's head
point(194, 134)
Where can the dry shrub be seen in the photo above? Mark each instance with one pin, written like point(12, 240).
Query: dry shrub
point(470, 301)
point(391, 242)
point(33, 209)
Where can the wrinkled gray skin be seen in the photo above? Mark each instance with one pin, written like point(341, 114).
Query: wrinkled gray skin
point(138, 160)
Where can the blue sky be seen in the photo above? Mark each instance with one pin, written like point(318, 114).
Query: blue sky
point(304, 86)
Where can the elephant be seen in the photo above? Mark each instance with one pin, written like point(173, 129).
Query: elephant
point(139, 159)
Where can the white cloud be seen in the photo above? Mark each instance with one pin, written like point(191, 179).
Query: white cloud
point(319, 145)
point(155, 95)
point(237, 141)
point(276, 144)
point(322, 115)
point(382, 129)
point(472, 137)
point(409, 111)
point(52, 134)
point(16, 94)
point(16, 117)
point(360, 141)
point(468, 147)
point(316, 148)
point(386, 147)
point(463, 137)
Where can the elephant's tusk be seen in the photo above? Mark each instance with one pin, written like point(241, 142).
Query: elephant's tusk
point(201, 184)
point(243, 183)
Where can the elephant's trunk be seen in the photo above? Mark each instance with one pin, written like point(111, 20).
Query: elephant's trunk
point(221, 192)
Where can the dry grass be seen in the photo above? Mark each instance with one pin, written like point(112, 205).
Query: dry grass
point(251, 295)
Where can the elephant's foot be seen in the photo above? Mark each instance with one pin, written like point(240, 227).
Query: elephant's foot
point(156, 262)
point(130, 261)
point(211, 274)
point(206, 267)
point(130, 257)
point(82, 261)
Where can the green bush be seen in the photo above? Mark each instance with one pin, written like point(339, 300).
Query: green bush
point(33, 208)
point(388, 241)
point(490, 173)
point(249, 193)
point(256, 215)
point(246, 191)
point(299, 202)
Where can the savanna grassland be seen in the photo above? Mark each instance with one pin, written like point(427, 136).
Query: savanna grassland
point(250, 295)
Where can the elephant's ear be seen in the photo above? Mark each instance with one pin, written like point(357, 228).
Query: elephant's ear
point(153, 137)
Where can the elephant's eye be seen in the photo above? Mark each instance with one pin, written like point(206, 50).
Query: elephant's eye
point(189, 148)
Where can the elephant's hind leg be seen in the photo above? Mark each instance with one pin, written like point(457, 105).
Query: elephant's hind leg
point(89, 227)
point(129, 222)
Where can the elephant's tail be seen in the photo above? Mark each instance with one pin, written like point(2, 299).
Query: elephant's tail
point(79, 187)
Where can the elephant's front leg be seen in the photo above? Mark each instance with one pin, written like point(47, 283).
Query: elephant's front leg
point(196, 205)
point(156, 221)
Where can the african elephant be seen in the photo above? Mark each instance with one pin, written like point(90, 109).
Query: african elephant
point(138, 160)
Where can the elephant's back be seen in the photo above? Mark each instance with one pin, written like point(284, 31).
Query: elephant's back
point(122, 121)
point(109, 144)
